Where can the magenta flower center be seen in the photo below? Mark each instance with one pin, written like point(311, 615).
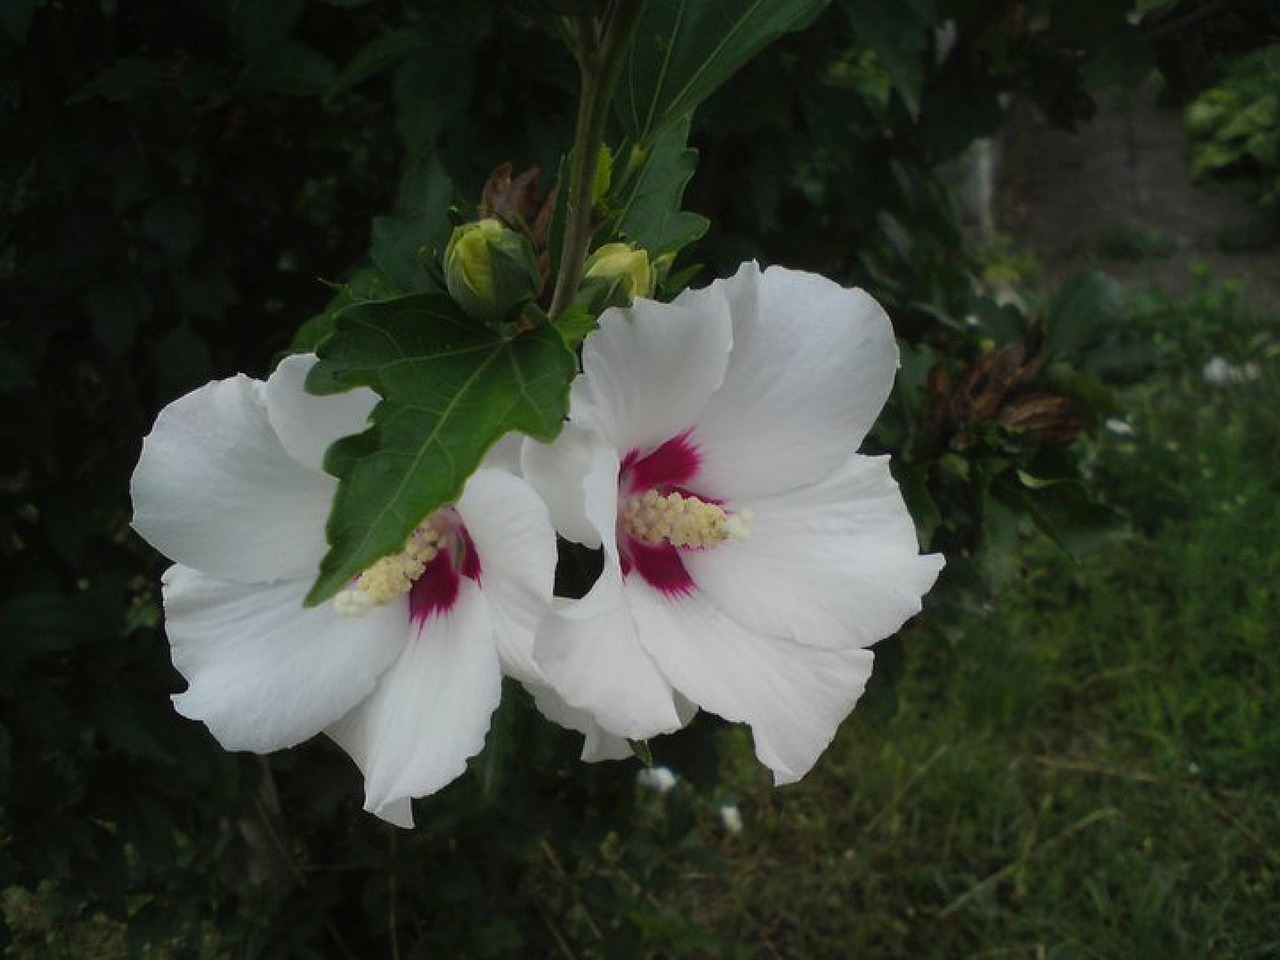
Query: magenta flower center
point(659, 515)
point(429, 571)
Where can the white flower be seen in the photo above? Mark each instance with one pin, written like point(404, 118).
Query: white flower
point(730, 819)
point(404, 667)
point(658, 779)
point(750, 555)
point(1119, 426)
point(1219, 372)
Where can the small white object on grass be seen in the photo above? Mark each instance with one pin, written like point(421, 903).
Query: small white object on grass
point(1119, 427)
point(731, 819)
point(657, 779)
point(1219, 372)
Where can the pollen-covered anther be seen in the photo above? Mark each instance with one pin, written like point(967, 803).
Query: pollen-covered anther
point(392, 576)
point(682, 521)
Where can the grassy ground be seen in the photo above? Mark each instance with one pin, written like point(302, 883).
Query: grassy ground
point(1091, 767)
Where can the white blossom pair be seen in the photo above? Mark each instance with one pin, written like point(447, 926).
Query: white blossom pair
point(750, 554)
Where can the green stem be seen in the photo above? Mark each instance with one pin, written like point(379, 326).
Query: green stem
point(599, 53)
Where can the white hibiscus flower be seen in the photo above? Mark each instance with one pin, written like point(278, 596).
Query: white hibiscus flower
point(750, 554)
point(404, 667)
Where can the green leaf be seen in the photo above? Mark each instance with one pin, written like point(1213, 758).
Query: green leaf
point(365, 285)
point(574, 324)
point(35, 624)
point(651, 216)
point(291, 67)
point(127, 79)
point(180, 358)
point(15, 18)
point(899, 34)
point(117, 308)
point(998, 556)
point(128, 722)
point(175, 224)
point(204, 289)
point(1121, 56)
point(416, 230)
point(378, 55)
point(1083, 311)
point(16, 373)
point(1069, 518)
point(683, 50)
point(961, 104)
point(430, 90)
point(494, 766)
point(451, 387)
point(258, 25)
point(914, 484)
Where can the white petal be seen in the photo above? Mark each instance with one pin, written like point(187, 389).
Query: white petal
point(563, 471)
point(430, 712)
point(794, 697)
point(505, 454)
point(263, 671)
point(811, 366)
point(517, 547)
point(587, 649)
point(215, 490)
point(598, 744)
point(306, 423)
point(649, 371)
point(590, 653)
point(834, 563)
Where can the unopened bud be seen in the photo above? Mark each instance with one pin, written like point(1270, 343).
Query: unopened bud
point(625, 263)
point(490, 269)
point(615, 275)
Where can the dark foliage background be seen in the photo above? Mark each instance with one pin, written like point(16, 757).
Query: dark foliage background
point(183, 182)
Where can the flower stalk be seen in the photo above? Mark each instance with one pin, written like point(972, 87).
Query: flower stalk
point(598, 46)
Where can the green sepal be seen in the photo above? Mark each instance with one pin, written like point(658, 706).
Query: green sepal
point(574, 324)
point(641, 750)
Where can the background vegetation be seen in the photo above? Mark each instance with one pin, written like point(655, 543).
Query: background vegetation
point(1063, 759)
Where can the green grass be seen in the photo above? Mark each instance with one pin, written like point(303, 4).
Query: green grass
point(1090, 767)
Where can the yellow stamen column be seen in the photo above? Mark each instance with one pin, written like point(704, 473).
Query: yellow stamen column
point(391, 576)
point(682, 521)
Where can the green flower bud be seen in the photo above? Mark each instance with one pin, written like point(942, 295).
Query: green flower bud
point(490, 269)
point(624, 268)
